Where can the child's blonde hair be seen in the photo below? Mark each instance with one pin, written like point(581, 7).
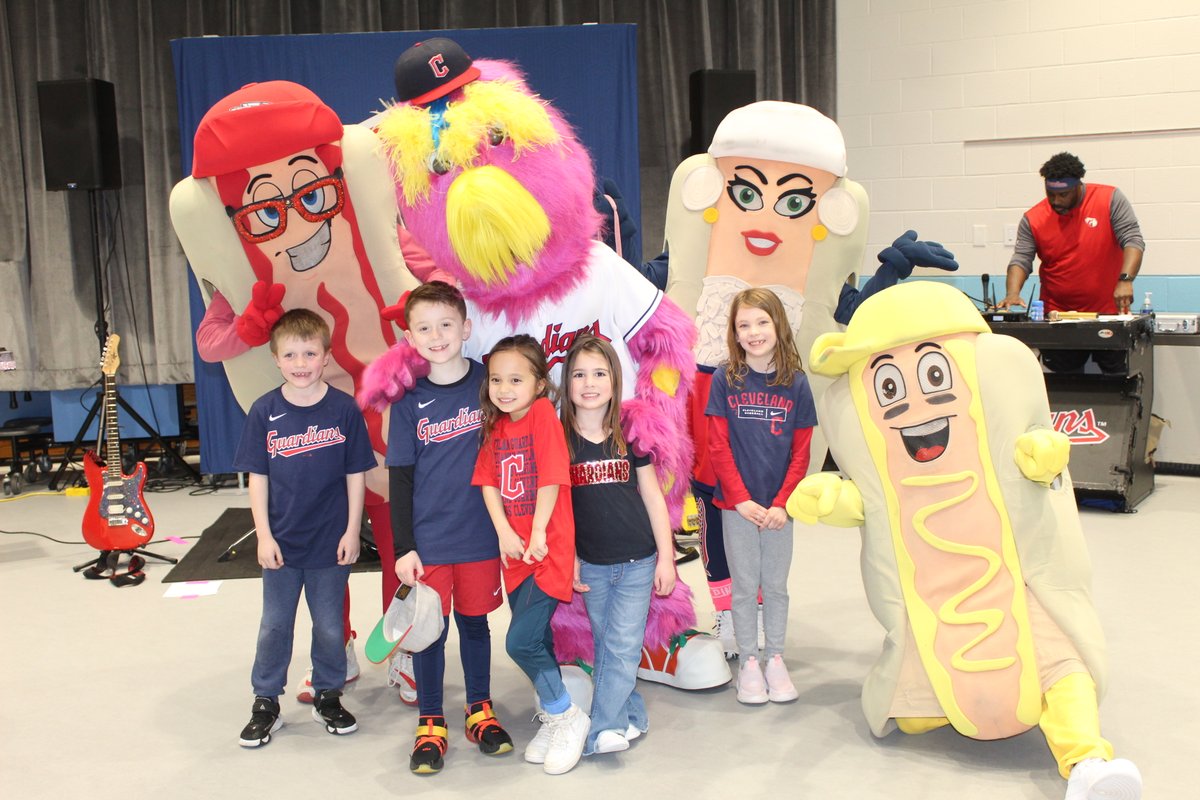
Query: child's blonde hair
point(587, 343)
point(302, 324)
point(786, 359)
point(526, 346)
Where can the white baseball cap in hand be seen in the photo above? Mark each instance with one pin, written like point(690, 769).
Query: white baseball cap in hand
point(413, 621)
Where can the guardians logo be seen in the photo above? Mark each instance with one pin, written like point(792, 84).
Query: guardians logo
point(298, 444)
point(466, 420)
point(555, 344)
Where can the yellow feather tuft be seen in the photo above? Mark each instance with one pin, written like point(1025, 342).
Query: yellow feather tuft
point(494, 223)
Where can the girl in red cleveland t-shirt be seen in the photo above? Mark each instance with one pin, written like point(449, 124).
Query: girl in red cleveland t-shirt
point(523, 468)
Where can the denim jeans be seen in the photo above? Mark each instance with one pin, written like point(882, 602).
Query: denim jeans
point(530, 641)
point(617, 600)
point(324, 590)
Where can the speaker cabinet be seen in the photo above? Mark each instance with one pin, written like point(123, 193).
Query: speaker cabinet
point(714, 93)
point(80, 148)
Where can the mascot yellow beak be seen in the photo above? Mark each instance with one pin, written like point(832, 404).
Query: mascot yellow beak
point(494, 223)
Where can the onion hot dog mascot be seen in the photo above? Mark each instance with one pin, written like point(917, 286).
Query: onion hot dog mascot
point(287, 208)
point(769, 205)
point(492, 181)
point(973, 558)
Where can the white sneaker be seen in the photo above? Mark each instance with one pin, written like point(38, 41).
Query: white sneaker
point(723, 632)
point(1097, 779)
point(751, 685)
point(568, 731)
point(611, 742)
point(779, 684)
point(535, 751)
point(762, 632)
point(632, 733)
point(400, 673)
point(305, 695)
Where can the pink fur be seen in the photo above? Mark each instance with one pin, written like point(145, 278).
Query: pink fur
point(387, 378)
point(653, 421)
point(560, 177)
point(669, 616)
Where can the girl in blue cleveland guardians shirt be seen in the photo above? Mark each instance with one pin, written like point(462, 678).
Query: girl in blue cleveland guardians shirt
point(760, 420)
point(622, 539)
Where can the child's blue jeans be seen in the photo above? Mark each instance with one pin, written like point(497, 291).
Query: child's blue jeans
point(530, 641)
point(617, 600)
point(324, 590)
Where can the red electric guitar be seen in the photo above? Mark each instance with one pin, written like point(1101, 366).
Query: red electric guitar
point(117, 517)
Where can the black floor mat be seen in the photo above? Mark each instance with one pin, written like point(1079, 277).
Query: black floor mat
point(201, 564)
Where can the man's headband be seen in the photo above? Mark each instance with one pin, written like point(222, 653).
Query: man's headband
point(1061, 184)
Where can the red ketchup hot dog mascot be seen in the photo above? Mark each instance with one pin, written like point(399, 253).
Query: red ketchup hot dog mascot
point(287, 208)
point(973, 558)
point(495, 185)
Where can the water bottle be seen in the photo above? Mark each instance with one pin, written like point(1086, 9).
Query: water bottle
point(1037, 311)
point(1147, 305)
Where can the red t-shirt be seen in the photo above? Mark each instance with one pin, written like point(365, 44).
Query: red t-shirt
point(519, 458)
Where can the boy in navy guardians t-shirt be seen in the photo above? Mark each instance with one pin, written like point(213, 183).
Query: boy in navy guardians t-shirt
point(442, 532)
point(306, 448)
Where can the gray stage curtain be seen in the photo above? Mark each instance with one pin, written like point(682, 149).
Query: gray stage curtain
point(47, 297)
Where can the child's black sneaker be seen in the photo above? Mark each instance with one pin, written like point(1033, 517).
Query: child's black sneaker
point(484, 728)
point(327, 710)
point(430, 746)
point(264, 720)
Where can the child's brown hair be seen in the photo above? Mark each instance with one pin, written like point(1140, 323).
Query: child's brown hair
point(523, 345)
point(435, 292)
point(299, 323)
point(587, 343)
point(786, 359)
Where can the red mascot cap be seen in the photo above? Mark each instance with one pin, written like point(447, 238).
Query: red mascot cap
point(261, 122)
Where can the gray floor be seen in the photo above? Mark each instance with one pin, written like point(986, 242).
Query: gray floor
point(113, 693)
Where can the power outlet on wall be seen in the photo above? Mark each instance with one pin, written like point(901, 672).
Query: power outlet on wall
point(1010, 235)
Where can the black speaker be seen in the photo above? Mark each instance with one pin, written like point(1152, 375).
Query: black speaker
point(80, 148)
point(714, 93)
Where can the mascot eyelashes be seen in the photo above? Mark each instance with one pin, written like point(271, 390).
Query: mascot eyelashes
point(494, 184)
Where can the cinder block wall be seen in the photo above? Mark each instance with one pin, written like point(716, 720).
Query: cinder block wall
point(950, 106)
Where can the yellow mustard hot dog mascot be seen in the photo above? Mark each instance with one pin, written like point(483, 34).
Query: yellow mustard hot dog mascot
point(973, 558)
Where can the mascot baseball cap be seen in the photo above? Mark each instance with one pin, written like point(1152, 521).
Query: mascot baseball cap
point(259, 123)
point(778, 131)
point(432, 69)
point(901, 314)
point(413, 620)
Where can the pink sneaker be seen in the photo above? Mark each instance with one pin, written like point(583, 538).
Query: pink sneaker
point(751, 687)
point(779, 684)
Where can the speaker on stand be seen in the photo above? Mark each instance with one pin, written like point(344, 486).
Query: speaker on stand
point(81, 152)
point(713, 94)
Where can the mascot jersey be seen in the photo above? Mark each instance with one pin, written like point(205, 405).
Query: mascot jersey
point(612, 301)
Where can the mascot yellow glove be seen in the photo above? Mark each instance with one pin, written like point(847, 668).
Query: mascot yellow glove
point(1042, 454)
point(826, 497)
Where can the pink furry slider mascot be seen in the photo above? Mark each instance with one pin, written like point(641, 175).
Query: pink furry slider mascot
point(494, 184)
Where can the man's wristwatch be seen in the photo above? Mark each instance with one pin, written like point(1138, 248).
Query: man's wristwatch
point(1125, 276)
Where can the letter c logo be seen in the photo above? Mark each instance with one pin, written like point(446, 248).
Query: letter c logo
point(439, 69)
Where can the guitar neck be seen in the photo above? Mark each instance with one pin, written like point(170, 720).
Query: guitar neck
point(112, 432)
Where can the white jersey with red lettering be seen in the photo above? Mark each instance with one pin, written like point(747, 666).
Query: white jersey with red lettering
point(612, 302)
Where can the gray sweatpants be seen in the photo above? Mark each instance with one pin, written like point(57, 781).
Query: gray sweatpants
point(758, 559)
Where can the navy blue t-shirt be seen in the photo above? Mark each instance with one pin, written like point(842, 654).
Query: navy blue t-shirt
point(762, 420)
point(306, 452)
point(435, 429)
